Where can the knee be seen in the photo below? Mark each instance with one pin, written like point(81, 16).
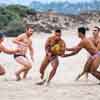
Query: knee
point(54, 69)
point(55, 66)
point(92, 71)
point(42, 69)
point(29, 66)
point(3, 72)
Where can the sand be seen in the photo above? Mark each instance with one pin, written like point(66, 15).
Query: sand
point(62, 87)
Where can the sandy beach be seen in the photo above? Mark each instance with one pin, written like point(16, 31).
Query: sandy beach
point(62, 87)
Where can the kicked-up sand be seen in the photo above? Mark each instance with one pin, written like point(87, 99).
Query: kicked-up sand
point(62, 87)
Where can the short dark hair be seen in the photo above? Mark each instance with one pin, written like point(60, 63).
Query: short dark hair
point(28, 26)
point(58, 31)
point(1, 35)
point(82, 30)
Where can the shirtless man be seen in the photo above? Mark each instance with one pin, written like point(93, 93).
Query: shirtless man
point(24, 42)
point(50, 57)
point(5, 50)
point(93, 51)
point(96, 41)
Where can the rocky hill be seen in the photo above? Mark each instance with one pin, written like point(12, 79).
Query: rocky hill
point(48, 21)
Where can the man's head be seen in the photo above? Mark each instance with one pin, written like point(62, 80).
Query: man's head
point(29, 30)
point(96, 31)
point(81, 32)
point(1, 37)
point(57, 34)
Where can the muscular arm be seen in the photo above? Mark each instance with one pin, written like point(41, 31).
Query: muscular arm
point(98, 45)
point(8, 51)
point(64, 45)
point(18, 40)
point(31, 51)
point(47, 46)
point(70, 49)
point(74, 50)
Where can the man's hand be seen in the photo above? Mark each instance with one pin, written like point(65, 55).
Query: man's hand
point(17, 50)
point(49, 54)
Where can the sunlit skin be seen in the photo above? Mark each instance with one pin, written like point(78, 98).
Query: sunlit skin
point(96, 41)
point(91, 49)
point(5, 50)
point(50, 57)
point(24, 42)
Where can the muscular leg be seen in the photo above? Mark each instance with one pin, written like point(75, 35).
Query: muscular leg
point(86, 68)
point(25, 73)
point(44, 66)
point(26, 66)
point(54, 64)
point(94, 68)
point(29, 67)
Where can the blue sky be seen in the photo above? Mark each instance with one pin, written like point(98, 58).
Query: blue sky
point(27, 2)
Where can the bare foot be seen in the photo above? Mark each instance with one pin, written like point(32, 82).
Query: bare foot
point(98, 83)
point(42, 75)
point(48, 83)
point(77, 78)
point(18, 78)
point(41, 83)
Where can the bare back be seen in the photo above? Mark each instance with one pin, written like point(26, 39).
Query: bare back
point(89, 46)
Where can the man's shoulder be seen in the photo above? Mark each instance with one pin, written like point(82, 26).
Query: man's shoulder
point(90, 38)
point(62, 40)
point(51, 37)
point(21, 35)
point(83, 41)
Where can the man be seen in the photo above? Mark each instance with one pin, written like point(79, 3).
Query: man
point(96, 41)
point(50, 57)
point(93, 51)
point(5, 50)
point(24, 42)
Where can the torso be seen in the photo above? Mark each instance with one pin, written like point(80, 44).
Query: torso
point(95, 41)
point(23, 48)
point(52, 42)
point(89, 46)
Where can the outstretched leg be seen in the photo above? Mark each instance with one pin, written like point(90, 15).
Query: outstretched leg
point(54, 65)
point(26, 67)
point(42, 70)
point(86, 68)
point(44, 66)
point(94, 67)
